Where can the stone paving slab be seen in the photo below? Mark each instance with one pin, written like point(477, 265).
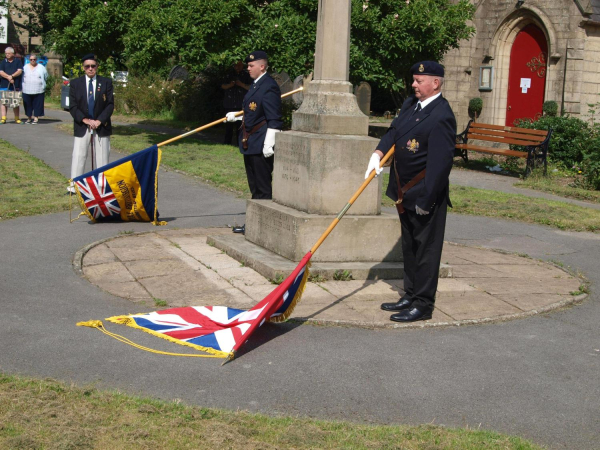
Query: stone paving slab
point(181, 268)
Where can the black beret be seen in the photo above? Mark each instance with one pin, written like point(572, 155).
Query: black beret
point(258, 54)
point(427, 68)
point(89, 56)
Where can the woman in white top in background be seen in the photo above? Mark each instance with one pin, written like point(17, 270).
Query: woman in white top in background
point(34, 85)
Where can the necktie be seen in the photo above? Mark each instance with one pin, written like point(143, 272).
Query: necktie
point(91, 101)
point(416, 110)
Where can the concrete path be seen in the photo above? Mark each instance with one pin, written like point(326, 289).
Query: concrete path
point(536, 377)
point(181, 269)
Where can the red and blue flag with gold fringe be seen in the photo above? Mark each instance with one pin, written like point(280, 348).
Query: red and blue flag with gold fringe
point(125, 190)
point(220, 330)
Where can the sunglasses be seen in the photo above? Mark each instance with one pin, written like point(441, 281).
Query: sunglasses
point(32, 59)
point(90, 66)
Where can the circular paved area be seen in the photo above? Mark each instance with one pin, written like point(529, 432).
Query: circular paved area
point(181, 269)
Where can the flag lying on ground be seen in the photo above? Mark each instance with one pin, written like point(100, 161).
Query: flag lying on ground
point(219, 330)
point(123, 190)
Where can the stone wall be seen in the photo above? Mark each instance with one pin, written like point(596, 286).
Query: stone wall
point(590, 93)
point(570, 37)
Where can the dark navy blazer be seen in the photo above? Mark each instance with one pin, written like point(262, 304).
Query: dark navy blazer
point(104, 105)
point(424, 140)
point(261, 102)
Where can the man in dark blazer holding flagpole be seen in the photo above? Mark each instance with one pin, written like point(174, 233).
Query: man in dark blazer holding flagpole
point(91, 104)
point(261, 121)
point(424, 135)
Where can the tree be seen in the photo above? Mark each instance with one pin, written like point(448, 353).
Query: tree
point(83, 26)
point(387, 36)
point(193, 33)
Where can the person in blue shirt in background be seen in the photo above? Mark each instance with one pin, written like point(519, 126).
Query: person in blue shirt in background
point(11, 79)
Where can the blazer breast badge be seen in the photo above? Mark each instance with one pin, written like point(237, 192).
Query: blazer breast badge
point(252, 106)
point(412, 146)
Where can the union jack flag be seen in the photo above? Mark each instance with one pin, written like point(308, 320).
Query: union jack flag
point(98, 197)
point(220, 330)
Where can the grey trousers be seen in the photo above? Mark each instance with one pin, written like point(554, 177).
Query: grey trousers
point(81, 148)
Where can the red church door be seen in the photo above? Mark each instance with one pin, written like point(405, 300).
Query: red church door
point(527, 75)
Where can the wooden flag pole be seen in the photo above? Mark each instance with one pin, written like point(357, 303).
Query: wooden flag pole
point(217, 122)
point(307, 257)
point(351, 201)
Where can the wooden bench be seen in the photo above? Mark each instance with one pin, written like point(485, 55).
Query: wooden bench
point(535, 143)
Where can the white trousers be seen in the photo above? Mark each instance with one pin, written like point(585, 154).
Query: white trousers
point(82, 146)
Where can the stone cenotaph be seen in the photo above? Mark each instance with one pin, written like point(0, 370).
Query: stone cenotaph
point(318, 166)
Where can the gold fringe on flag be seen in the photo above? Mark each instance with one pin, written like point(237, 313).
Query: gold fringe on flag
point(288, 312)
point(126, 320)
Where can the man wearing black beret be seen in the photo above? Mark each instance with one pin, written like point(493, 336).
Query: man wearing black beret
point(91, 103)
point(261, 121)
point(424, 135)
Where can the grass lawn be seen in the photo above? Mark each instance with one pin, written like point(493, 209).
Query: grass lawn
point(216, 164)
point(483, 202)
point(557, 181)
point(51, 415)
point(222, 166)
point(558, 184)
point(28, 186)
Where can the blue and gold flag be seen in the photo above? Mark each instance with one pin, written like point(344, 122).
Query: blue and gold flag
point(126, 189)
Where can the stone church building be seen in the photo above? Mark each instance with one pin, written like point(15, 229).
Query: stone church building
point(525, 52)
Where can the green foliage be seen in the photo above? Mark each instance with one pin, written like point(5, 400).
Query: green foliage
point(387, 36)
point(200, 99)
point(574, 144)
point(188, 32)
point(591, 160)
point(277, 280)
point(160, 303)
point(83, 26)
point(550, 108)
point(475, 106)
point(342, 275)
point(316, 278)
point(147, 95)
point(569, 137)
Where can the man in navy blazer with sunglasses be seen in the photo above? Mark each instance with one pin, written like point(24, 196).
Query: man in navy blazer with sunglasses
point(91, 103)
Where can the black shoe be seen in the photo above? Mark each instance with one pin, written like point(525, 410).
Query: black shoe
point(241, 229)
point(404, 303)
point(411, 315)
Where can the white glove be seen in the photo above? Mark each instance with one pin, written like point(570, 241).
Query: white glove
point(269, 142)
point(230, 117)
point(373, 165)
point(421, 212)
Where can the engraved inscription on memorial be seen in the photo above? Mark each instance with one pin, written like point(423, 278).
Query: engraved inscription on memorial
point(290, 161)
point(276, 223)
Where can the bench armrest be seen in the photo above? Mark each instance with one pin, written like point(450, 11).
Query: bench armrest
point(461, 138)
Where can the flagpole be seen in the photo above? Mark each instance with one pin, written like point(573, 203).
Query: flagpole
point(217, 122)
point(351, 201)
point(307, 257)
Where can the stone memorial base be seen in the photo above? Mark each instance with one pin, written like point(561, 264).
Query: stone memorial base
point(277, 237)
point(273, 266)
point(291, 233)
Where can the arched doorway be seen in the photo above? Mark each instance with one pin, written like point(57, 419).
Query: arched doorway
point(527, 75)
